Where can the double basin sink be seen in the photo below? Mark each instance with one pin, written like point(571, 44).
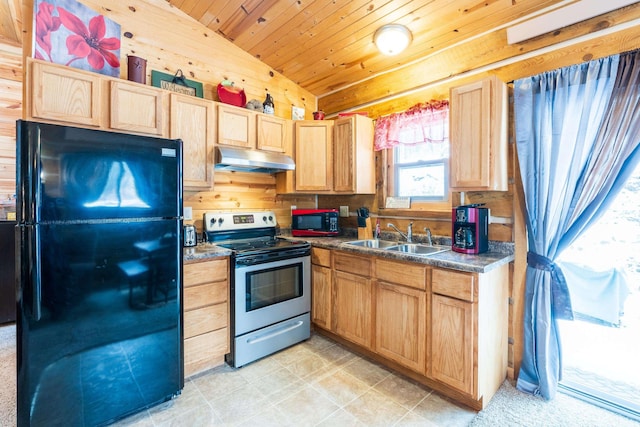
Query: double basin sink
point(408, 248)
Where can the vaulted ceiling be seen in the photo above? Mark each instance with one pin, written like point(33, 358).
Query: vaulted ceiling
point(325, 45)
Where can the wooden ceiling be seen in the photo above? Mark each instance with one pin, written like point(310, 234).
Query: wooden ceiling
point(325, 45)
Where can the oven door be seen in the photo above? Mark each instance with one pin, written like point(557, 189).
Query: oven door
point(271, 292)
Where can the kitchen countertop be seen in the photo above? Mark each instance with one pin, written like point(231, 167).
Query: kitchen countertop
point(203, 251)
point(480, 263)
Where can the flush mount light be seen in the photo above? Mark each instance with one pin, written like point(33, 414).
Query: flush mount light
point(392, 39)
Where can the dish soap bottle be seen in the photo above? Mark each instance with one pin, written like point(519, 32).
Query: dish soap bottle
point(268, 108)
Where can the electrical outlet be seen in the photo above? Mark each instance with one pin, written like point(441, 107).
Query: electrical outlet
point(344, 211)
point(187, 213)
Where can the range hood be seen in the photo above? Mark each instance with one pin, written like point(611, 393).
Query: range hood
point(245, 160)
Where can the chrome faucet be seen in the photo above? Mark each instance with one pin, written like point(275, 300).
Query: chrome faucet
point(408, 236)
point(429, 240)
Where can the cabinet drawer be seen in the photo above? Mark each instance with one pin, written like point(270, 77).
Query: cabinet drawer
point(343, 261)
point(205, 351)
point(412, 275)
point(453, 284)
point(203, 295)
point(204, 272)
point(321, 257)
point(205, 319)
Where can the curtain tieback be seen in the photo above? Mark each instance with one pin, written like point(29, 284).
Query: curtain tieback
point(561, 299)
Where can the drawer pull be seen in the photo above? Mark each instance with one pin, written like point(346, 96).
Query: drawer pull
point(279, 331)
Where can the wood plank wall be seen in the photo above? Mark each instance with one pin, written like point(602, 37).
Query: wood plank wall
point(170, 40)
point(10, 111)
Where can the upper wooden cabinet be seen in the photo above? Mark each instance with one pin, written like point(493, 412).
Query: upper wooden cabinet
point(478, 135)
point(332, 157)
point(57, 93)
point(63, 94)
point(236, 126)
point(354, 161)
point(137, 108)
point(193, 121)
point(314, 155)
point(272, 133)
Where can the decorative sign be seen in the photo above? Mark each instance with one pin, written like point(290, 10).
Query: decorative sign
point(166, 81)
point(398, 203)
point(69, 33)
point(297, 113)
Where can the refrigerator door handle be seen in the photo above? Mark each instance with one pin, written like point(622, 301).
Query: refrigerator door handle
point(31, 271)
point(36, 307)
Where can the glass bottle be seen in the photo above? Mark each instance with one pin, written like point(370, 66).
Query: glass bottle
point(268, 108)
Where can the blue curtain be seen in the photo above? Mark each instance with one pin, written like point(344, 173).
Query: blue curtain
point(577, 138)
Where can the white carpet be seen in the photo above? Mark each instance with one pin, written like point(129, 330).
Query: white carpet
point(510, 407)
point(7, 376)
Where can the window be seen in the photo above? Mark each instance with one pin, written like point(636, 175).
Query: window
point(421, 171)
point(417, 152)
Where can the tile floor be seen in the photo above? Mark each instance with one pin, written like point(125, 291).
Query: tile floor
point(315, 383)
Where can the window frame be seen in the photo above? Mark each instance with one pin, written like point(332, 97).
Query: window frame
point(417, 204)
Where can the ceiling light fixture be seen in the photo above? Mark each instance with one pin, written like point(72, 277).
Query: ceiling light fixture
point(392, 39)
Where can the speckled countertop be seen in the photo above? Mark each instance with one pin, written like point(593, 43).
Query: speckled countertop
point(498, 254)
point(480, 263)
point(203, 251)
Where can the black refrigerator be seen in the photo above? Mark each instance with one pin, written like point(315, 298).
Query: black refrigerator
point(99, 270)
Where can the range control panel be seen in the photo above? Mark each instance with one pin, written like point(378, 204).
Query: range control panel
point(225, 221)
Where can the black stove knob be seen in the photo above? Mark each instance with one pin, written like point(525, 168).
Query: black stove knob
point(264, 218)
point(212, 221)
point(270, 218)
point(220, 221)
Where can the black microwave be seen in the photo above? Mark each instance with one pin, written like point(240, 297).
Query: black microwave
point(314, 222)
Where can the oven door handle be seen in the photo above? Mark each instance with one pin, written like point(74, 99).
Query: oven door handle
point(282, 330)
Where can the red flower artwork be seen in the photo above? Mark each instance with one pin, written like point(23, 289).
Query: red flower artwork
point(89, 42)
point(45, 24)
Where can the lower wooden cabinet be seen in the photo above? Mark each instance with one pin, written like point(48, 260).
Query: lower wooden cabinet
point(206, 314)
point(401, 325)
point(321, 289)
point(452, 342)
point(445, 328)
point(352, 307)
point(469, 331)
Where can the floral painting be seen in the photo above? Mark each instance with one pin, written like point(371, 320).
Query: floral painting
point(69, 33)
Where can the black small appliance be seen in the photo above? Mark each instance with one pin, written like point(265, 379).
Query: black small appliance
point(470, 229)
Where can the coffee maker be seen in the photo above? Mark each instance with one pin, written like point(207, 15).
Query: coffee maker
point(470, 228)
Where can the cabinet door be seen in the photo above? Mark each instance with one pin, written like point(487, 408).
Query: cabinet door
point(452, 343)
point(354, 170)
point(401, 325)
point(236, 126)
point(352, 307)
point(137, 108)
point(193, 121)
point(314, 155)
point(271, 133)
point(64, 94)
point(478, 136)
point(321, 296)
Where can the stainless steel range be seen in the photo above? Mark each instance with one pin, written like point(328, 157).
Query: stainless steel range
point(270, 285)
